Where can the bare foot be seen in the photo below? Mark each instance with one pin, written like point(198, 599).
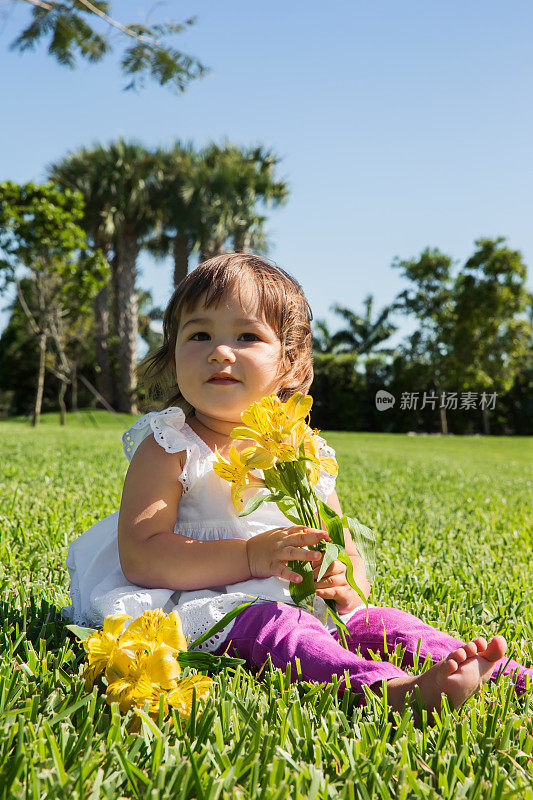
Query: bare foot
point(458, 676)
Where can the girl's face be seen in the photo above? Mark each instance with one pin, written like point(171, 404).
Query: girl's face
point(233, 339)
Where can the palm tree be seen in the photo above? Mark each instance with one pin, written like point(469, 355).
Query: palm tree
point(363, 335)
point(131, 179)
point(82, 171)
point(323, 341)
point(149, 313)
point(210, 197)
point(241, 178)
point(176, 234)
point(120, 182)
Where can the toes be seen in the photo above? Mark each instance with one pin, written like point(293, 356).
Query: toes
point(458, 655)
point(495, 649)
point(471, 649)
point(481, 643)
point(451, 665)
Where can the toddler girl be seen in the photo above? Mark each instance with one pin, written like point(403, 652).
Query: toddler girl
point(238, 329)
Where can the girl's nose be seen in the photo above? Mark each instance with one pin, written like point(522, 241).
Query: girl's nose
point(222, 353)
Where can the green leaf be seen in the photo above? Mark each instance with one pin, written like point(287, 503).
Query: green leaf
point(364, 540)
point(222, 623)
point(333, 524)
point(350, 578)
point(326, 512)
point(79, 632)
point(254, 503)
point(330, 554)
point(303, 593)
point(201, 660)
point(341, 626)
point(289, 508)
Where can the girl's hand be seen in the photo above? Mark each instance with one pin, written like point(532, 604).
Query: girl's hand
point(334, 586)
point(269, 552)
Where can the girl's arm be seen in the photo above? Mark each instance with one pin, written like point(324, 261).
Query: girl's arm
point(151, 554)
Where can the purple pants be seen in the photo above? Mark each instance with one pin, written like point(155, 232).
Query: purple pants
point(286, 633)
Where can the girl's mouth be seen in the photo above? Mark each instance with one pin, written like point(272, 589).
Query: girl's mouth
point(223, 380)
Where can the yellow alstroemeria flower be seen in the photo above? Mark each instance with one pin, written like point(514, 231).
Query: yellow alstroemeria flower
point(155, 628)
point(181, 697)
point(318, 463)
point(133, 680)
point(159, 664)
point(237, 470)
point(128, 692)
point(100, 646)
point(258, 427)
point(284, 417)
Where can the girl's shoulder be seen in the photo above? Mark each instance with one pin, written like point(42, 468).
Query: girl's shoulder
point(168, 429)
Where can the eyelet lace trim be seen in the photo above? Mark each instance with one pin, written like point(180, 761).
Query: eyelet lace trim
point(154, 423)
point(326, 483)
point(184, 477)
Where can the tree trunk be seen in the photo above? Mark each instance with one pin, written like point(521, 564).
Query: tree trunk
point(61, 399)
point(104, 380)
point(241, 240)
point(181, 258)
point(442, 412)
point(443, 422)
point(211, 249)
point(74, 386)
point(127, 320)
point(486, 422)
point(40, 380)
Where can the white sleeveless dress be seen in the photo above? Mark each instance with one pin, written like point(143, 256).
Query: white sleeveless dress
point(98, 586)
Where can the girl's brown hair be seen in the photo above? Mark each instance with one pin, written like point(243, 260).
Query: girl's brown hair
point(281, 302)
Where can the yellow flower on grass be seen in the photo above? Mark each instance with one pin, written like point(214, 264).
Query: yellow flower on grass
point(155, 628)
point(135, 678)
point(181, 697)
point(237, 470)
point(128, 692)
point(100, 646)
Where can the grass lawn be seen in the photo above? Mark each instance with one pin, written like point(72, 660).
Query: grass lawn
point(454, 548)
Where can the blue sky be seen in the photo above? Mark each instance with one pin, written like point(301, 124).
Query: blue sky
point(399, 125)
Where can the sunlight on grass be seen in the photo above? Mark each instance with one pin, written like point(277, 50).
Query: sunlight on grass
point(455, 548)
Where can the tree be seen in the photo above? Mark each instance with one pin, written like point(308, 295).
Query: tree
point(82, 28)
point(490, 335)
point(472, 334)
point(322, 339)
point(82, 171)
point(149, 313)
point(237, 180)
point(430, 300)
point(39, 231)
point(129, 183)
point(177, 201)
point(363, 334)
point(210, 197)
point(119, 182)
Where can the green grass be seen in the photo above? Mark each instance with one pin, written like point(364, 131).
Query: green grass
point(454, 548)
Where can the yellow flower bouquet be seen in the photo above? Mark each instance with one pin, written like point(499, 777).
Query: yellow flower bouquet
point(142, 665)
point(287, 450)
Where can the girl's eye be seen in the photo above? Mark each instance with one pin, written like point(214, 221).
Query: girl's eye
point(203, 333)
